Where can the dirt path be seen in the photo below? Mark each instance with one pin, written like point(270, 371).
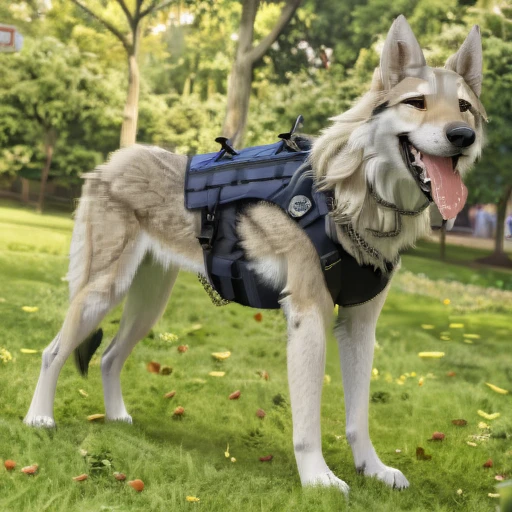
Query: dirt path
point(472, 241)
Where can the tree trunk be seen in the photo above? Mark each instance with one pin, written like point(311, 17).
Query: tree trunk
point(499, 257)
point(49, 144)
point(239, 93)
point(131, 108)
point(25, 190)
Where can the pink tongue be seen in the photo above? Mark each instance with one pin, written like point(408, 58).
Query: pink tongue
point(448, 191)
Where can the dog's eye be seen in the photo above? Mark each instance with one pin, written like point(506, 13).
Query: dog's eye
point(464, 105)
point(418, 102)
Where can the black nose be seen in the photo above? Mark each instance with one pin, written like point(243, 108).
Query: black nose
point(460, 135)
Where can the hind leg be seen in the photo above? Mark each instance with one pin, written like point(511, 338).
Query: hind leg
point(147, 298)
point(85, 313)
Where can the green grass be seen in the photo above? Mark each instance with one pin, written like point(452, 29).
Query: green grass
point(178, 458)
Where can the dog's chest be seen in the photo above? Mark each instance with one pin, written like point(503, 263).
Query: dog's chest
point(222, 188)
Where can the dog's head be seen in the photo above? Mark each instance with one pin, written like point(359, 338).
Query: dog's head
point(427, 122)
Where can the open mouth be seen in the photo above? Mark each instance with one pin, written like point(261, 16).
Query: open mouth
point(437, 177)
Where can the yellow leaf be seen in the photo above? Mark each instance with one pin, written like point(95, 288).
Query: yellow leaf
point(456, 326)
point(327, 379)
point(28, 351)
point(83, 393)
point(217, 374)
point(421, 380)
point(488, 416)
point(233, 459)
point(413, 374)
point(428, 327)
point(483, 425)
point(95, 417)
point(470, 443)
point(445, 338)
point(221, 356)
point(493, 495)
point(472, 336)
point(447, 302)
point(30, 309)
point(192, 499)
point(501, 391)
point(226, 453)
point(469, 342)
point(431, 355)
point(2, 299)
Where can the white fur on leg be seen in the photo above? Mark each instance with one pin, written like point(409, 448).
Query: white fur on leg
point(306, 365)
point(147, 298)
point(356, 338)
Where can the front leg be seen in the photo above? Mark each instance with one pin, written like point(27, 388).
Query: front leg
point(355, 333)
point(306, 365)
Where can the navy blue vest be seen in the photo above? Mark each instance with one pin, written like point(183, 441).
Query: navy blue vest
point(222, 184)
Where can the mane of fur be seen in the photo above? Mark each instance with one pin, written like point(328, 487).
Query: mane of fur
point(341, 163)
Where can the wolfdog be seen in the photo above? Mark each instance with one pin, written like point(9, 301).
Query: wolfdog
point(403, 146)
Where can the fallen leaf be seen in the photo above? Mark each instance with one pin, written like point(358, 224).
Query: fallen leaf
point(327, 379)
point(28, 351)
point(95, 417)
point(398, 450)
point(483, 425)
point(83, 393)
point(488, 463)
point(264, 375)
point(438, 436)
point(459, 492)
point(226, 453)
point(460, 423)
point(421, 380)
point(501, 391)
point(233, 459)
point(179, 411)
point(445, 338)
point(500, 478)
point(169, 336)
point(192, 499)
point(267, 458)
point(217, 374)
point(431, 355)
point(137, 484)
point(166, 370)
point(451, 374)
point(9, 464)
point(470, 443)
point(469, 342)
point(488, 416)
point(182, 348)
point(235, 395)
point(456, 326)
point(221, 356)
point(427, 327)
point(472, 336)
point(261, 413)
point(447, 302)
point(80, 478)
point(493, 495)
point(153, 367)
point(170, 394)
point(258, 317)
point(421, 455)
point(119, 476)
point(30, 309)
point(30, 470)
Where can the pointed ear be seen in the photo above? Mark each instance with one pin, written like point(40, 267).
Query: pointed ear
point(401, 52)
point(467, 62)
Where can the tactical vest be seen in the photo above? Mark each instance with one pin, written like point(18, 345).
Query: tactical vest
point(222, 184)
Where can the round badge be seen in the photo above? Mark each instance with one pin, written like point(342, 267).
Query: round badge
point(299, 206)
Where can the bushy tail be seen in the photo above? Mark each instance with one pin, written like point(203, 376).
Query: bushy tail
point(85, 351)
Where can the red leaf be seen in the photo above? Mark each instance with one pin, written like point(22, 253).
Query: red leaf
point(119, 476)
point(9, 465)
point(460, 423)
point(179, 411)
point(170, 394)
point(80, 478)
point(153, 367)
point(488, 463)
point(235, 395)
point(258, 317)
point(451, 374)
point(267, 458)
point(182, 348)
point(137, 484)
point(438, 436)
point(261, 413)
point(421, 455)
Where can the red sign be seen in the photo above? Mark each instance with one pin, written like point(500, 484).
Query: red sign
point(10, 39)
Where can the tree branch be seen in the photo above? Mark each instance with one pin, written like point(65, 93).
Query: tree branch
point(106, 24)
point(126, 11)
point(286, 15)
point(154, 7)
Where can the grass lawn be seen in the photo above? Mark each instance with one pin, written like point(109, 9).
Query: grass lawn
point(184, 457)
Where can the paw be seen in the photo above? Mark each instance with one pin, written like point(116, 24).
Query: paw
point(328, 479)
point(126, 418)
point(391, 477)
point(39, 421)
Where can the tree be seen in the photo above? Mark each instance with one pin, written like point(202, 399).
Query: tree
point(240, 78)
point(130, 39)
point(53, 97)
